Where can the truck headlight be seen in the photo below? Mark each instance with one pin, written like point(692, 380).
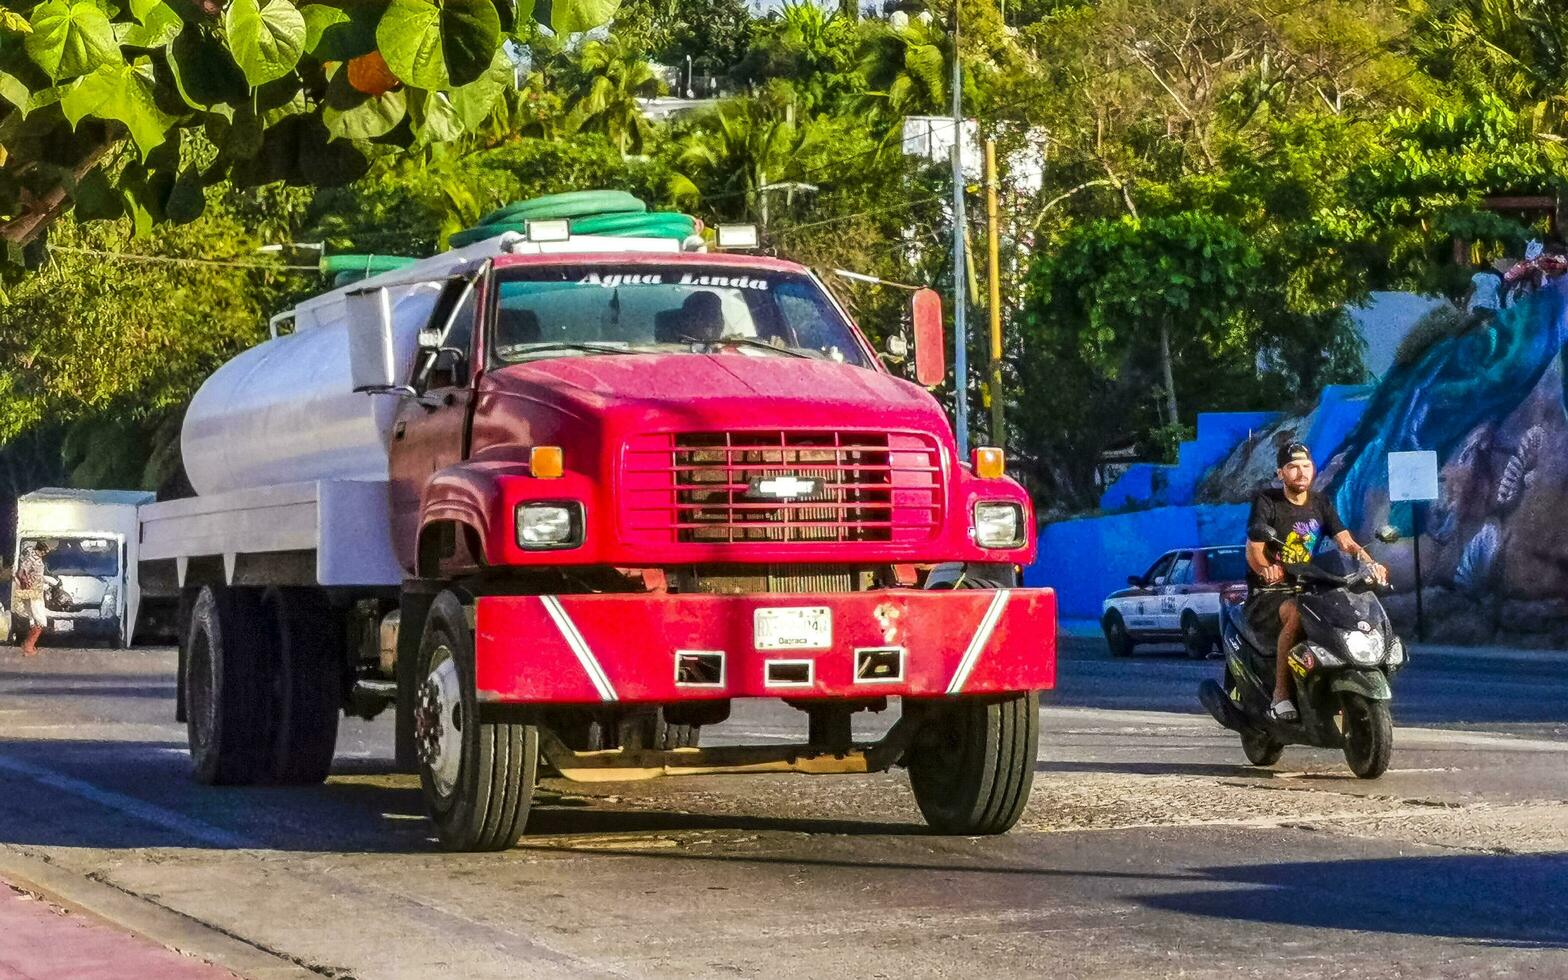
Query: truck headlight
point(554, 525)
point(999, 525)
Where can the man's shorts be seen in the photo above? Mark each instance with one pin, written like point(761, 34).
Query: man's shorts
point(1263, 613)
point(37, 611)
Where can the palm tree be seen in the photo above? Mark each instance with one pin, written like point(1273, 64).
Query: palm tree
point(1519, 48)
point(614, 80)
point(743, 145)
point(905, 64)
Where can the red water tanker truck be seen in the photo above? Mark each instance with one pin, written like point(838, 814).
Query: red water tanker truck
point(561, 504)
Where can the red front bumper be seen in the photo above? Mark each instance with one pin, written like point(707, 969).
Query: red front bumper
point(624, 648)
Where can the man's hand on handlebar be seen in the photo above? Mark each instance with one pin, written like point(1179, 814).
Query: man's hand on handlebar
point(1379, 572)
point(1273, 574)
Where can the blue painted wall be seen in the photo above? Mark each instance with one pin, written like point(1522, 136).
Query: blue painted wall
point(1338, 411)
point(1086, 559)
point(1159, 484)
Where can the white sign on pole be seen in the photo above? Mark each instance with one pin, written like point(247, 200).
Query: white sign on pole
point(1412, 476)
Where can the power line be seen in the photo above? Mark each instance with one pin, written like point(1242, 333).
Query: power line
point(790, 229)
point(181, 260)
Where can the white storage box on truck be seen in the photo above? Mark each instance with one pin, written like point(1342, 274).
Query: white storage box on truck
point(91, 568)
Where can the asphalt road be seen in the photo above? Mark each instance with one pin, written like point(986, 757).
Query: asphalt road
point(1149, 847)
point(1524, 692)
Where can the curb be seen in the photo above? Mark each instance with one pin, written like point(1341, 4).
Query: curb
point(140, 917)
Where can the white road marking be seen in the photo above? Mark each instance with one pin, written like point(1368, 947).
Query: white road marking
point(130, 806)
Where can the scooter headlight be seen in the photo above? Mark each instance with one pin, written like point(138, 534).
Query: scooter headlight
point(1365, 648)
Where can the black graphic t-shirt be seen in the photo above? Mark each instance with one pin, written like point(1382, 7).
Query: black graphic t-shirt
point(1301, 527)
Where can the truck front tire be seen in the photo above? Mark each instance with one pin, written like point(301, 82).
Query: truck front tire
point(972, 763)
point(225, 703)
point(477, 776)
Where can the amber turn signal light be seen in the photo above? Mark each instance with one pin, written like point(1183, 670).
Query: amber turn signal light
point(546, 462)
point(990, 462)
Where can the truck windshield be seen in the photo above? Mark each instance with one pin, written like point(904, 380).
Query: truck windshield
point(567, 311)
point(79, 556)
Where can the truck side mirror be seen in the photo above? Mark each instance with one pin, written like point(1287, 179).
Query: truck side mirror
point(370, 340)
point(930, 345)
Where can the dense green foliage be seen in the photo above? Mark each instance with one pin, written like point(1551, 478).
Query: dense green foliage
point(308, 93)
point(1219, 180)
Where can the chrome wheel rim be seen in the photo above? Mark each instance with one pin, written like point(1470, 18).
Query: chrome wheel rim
point(438, 722)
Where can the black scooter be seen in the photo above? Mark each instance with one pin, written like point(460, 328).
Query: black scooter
point(1340, 671)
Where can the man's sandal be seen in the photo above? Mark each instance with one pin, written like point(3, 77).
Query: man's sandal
point(1283, 710)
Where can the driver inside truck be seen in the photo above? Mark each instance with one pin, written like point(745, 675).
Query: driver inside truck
point(699, 319)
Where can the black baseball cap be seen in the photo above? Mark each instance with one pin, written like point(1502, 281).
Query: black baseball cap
point(1290, 452)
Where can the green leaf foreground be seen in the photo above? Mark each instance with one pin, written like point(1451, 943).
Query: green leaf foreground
point(267, 39)
point(238, 69)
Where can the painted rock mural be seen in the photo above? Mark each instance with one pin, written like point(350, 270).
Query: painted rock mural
point(1489, 398)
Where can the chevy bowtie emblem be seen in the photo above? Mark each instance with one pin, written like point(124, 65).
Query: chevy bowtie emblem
point(783, 487)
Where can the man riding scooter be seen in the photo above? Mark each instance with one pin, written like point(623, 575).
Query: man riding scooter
point(1285, 528)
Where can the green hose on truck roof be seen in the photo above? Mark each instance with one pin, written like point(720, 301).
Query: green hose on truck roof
point(599, 212)
point(572, 204)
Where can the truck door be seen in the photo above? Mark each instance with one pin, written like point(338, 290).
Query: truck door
point(431, 432)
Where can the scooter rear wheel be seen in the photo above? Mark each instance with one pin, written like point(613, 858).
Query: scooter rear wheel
point(1261, 749)
point(1369, 735)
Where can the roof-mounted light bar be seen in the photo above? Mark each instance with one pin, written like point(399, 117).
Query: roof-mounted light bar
point(555, 230)
point(736, 238)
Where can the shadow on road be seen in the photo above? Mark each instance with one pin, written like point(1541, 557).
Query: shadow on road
point(1495, 900)
point(126, 794)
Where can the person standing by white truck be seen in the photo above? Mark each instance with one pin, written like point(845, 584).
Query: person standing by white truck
point(28, 593)
point(89, 589)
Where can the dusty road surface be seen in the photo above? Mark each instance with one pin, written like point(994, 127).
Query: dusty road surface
point(1149, 848)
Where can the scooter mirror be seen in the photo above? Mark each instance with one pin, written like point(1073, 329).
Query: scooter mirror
point(1388, 534)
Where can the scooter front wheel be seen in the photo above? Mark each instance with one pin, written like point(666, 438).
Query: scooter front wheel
point(1369, 735)
point(1261, 749)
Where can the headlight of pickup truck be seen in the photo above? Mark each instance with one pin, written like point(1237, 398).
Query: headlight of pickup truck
point(541, 526)
point(999, 525)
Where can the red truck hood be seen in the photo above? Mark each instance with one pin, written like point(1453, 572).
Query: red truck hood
point(700, 391)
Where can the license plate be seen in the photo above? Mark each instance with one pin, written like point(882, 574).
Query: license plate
point(63, 625)
point(800, 628)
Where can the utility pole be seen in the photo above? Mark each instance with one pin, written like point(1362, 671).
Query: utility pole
point(993, 236)
point(960, 320)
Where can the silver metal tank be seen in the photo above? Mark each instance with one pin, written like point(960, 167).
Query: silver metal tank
point(285, 410)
